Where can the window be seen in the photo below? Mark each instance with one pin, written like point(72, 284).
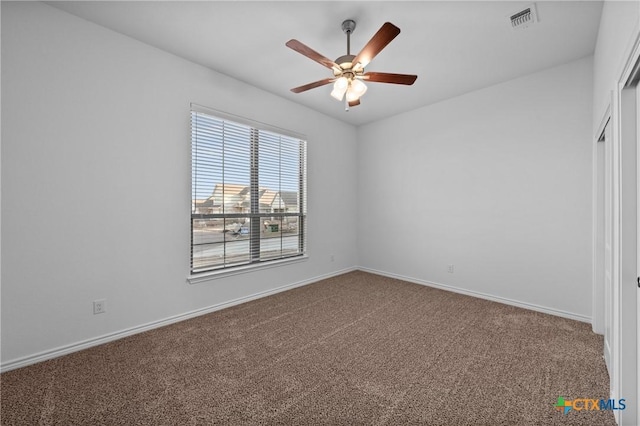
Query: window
point(248, 193)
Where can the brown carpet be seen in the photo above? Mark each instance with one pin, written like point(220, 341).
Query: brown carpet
point(354, 349)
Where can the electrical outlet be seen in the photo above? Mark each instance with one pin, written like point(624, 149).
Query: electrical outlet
point(99, 306)
point(450, 269)
point(332, 257)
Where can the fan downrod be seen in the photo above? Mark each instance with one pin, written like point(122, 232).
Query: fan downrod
point(348, 27)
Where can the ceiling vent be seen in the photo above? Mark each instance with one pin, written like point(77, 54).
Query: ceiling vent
point(525, 18)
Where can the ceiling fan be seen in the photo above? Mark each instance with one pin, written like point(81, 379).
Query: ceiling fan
point(348, 70)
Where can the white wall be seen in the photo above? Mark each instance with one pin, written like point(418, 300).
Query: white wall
point(618, 26)
point(96, 182)
point(496, 182)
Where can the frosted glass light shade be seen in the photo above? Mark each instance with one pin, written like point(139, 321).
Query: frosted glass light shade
point(352, 95)
point(358, 87)
point(339, 88)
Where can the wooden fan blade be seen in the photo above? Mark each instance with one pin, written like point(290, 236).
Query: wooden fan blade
point(312, 85)
point(311, 54)
point(385, 34)
point(383, 77)
point(354, 103)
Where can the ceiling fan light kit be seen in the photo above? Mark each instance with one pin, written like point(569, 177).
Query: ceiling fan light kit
point(348, 70)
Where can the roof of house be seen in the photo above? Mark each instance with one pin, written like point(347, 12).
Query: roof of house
point(229, 190)
point(267, 196)
point(238, 193)
point(290, 198)
point(203, 203)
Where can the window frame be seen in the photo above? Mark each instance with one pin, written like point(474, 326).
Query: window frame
point(254, 240)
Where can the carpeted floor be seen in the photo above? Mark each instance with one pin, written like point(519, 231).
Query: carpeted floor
point(354, 349)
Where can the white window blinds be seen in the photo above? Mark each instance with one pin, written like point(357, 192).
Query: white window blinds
point(248, 194)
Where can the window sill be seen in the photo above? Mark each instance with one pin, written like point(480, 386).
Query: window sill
point(222, 273)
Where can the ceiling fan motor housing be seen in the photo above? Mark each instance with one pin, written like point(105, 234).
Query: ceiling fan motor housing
point(345, 62)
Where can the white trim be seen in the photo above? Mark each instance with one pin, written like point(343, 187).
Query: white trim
point(615, 247)
point(626, 380)
point(222, 273)
point(597, 323)
point(504, 300)
point(85, 344)
point(621, 378)
point(632, 53)
point(606, 118)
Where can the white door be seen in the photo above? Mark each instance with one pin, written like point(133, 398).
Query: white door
point(638, 254)
point(625, 244)
point(607, 210)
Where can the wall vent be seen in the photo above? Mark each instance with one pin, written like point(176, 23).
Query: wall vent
point(524, 18)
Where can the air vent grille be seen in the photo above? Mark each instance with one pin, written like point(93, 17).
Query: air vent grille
point(524, 18)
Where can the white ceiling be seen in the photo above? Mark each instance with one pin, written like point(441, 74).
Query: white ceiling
point(453, 47)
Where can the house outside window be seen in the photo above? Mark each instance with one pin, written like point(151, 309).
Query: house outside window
point(248, 192)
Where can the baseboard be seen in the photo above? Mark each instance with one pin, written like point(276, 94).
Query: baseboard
point(85, 344)
point(506, 301)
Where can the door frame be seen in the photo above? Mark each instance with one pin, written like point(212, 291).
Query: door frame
point(598, 173)
point(625, 203)
point(622, 115)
